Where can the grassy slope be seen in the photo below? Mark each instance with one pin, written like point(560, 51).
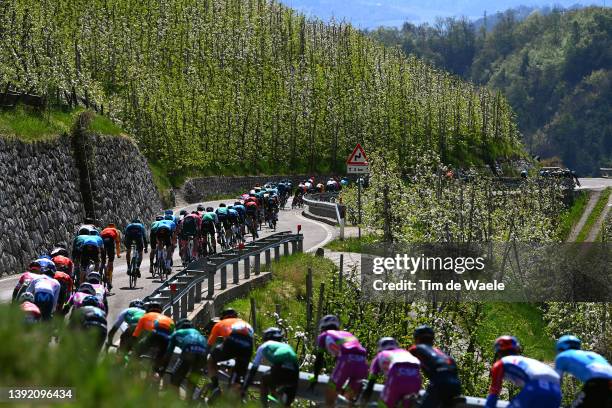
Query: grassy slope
point(30, 126)
point(572, 215)
point(595, 214)
point(288, 289)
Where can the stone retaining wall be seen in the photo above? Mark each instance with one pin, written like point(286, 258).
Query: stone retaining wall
point(42, 202)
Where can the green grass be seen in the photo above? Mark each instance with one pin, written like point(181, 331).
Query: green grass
point(594, 216)
point(29, 125)
point(572, 215)
point(104, 126)
point(287, 289)
point(523, 320)
point(353, 244)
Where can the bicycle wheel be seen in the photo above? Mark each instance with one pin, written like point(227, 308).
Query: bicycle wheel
point(132, 276)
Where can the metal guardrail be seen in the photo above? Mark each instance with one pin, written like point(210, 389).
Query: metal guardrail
point(318, 395)
point(182, 292)
point(606, 172)
point(323, 205)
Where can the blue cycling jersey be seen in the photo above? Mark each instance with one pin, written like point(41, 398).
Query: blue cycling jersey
point(232, 213)
point(134, 231)
point(95, 240)
point(584, 365)
point(168, 224)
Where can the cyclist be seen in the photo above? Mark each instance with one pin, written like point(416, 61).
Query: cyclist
point(60, 249)
point(45, 290)
point(350, 359)
point(234, 222)
point(135, 234)
point(29, 308)
point(237, 344)
point(182, 215)
point(189, 228)
point(224, 223)
point(112, 246)
point(344, 182)
point(91, 319)
point(193, 347)
point(169, 215)
point(91, 250)
point(284, 371)
point(65, 292)
point(241, 210)
point(76, 300)
point(441, 370)
point(209, 220)
point(540, 383)
point(95, 279)
point(590, 368)
point(152, 332)
point(130, 316)
point(25, 279)
point(400, 369)
point(162, 231)
point(251, 216)
point(272, 208)
point(63, 264)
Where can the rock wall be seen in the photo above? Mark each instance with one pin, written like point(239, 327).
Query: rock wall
point(42, 200)
point(123, 187)
point(205, 188)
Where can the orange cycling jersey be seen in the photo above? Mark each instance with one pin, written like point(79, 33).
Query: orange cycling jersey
point(227, 327)
point(115, 235)
point(154, 321)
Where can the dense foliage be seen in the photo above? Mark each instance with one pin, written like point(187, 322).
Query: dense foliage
point(244, 86)
point(555, 69)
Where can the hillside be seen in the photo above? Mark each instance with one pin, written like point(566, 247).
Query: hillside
point(555, 70)
point(230, 86)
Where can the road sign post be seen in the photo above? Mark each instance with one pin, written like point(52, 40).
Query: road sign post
point(357, 163)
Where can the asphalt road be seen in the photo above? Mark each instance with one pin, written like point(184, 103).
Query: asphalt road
point(594, 183)
point(315, 235)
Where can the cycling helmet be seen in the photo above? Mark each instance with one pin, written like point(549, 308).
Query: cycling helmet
point(387, 343)
point(94, 277)
point(237, 203)
point(329, 322)
point(228, 314)
point(568, 342)
point(26, 297)
point(159, 217)
point(94, 232)
point(137, 303)
point(273, 333)
point(169, 217)
point(424, 334)
point(230, 207)
point(136, 221)
point(153, 307)
point(507, 345)
point(87, 288)
point(200, 207)
point(222, 205)
point(90, 300)
point(34, 266)
point(184, 324)
point(183, 212)
point(210, 209)
point(59, 251)
point(169, 212)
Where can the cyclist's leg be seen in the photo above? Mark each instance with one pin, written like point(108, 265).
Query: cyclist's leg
point(140, 249)
point(152, 242)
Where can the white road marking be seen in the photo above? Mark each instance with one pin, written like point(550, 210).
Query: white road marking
point(330, 234)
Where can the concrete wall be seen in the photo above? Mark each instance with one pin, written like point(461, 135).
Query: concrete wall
point(42, 199)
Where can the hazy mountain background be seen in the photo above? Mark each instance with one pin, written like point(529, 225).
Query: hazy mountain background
point(375, 13)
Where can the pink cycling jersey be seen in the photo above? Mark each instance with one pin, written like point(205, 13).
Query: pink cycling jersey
point(402, 374)
point(25, 279)
point(384, 360)
point(76, 300)
point(338, 342)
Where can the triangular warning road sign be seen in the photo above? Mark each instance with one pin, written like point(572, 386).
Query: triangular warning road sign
point(358, 157)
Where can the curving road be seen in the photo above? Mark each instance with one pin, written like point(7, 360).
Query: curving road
point(315, 235)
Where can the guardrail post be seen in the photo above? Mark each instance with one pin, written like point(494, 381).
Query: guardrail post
point(267, 257)
point(190, 299)
point(247, 267)
point(300, 245)
point(198, 292)
point(293, 247)
point(257, 264)
point(183, 306)
point(285, 249)
point(236, 277)
point(277, 253)
point(175, 311)
point(211, 282)
point(224, 277)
